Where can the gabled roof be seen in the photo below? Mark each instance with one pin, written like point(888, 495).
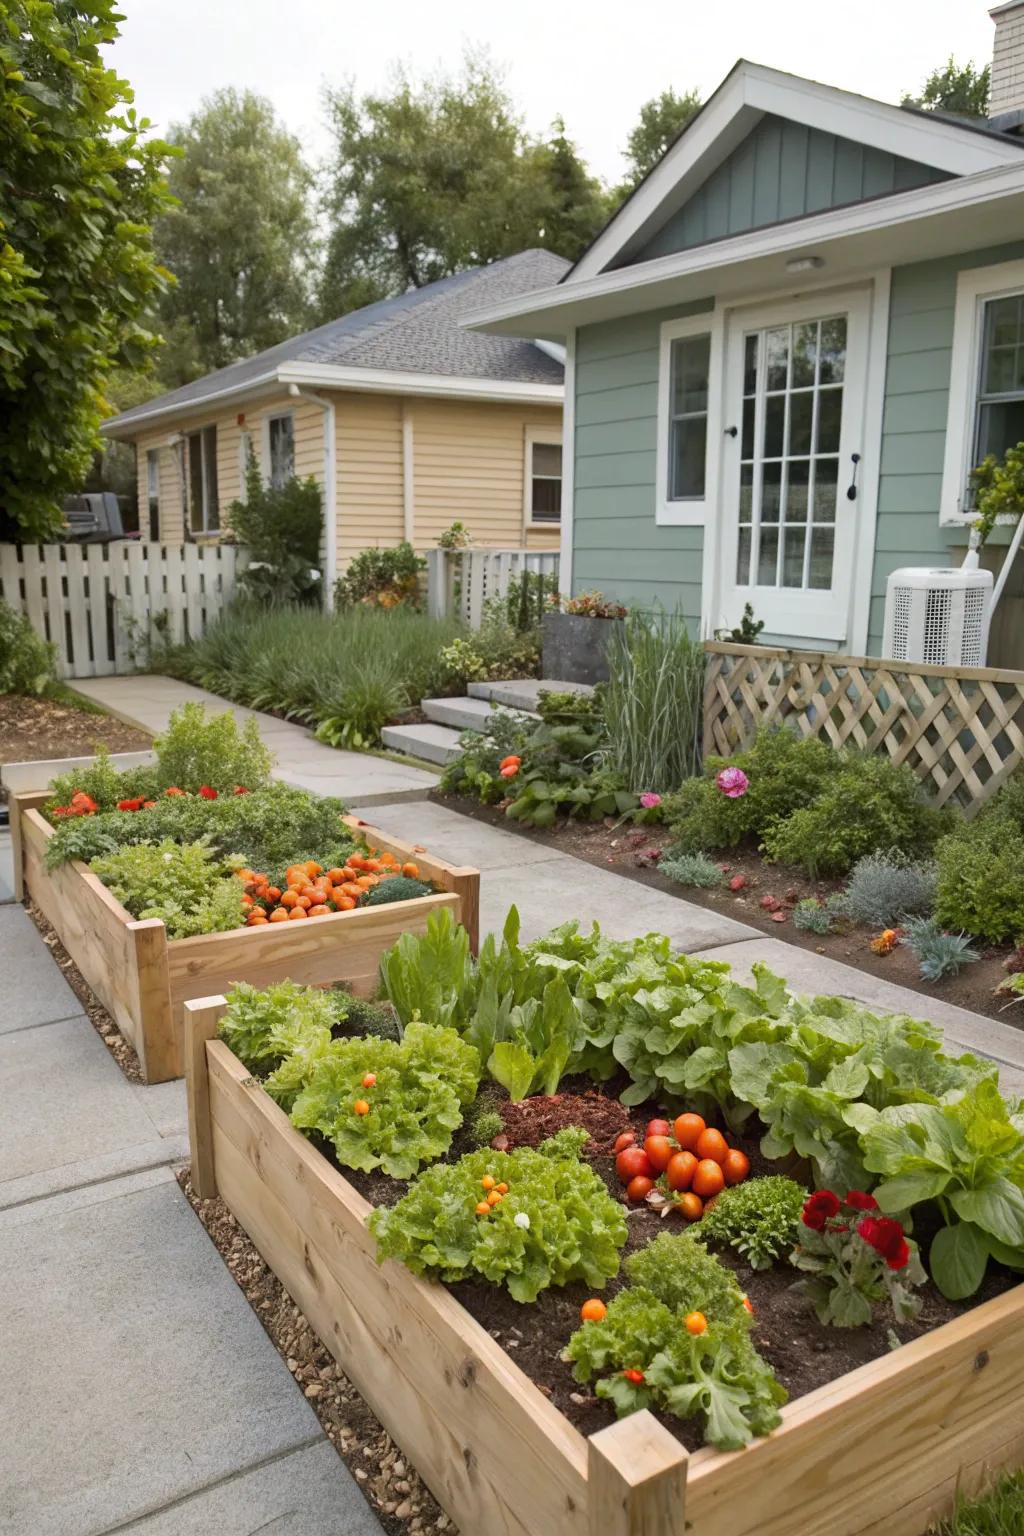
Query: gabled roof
point(750, 91)
point(417, 335)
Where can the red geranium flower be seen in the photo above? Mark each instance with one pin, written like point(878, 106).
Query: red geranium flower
point(130, 805)
point(240, 789)
point(83, 804)
point(174, 790)
point(886, 1237)
point(819, 1209)
point(859, 1201)
point(207, 793)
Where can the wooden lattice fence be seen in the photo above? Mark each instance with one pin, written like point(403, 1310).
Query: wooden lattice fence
point(959, 729)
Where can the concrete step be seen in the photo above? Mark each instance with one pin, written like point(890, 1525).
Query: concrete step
point(522, 693)
point(434, 743)
point(463, 714)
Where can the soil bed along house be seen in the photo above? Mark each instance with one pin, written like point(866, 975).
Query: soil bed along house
point(469, 1377)
point(40, 728)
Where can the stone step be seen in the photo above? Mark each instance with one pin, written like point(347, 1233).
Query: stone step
point(463, 714)
point(523, 692)
point(434, 743)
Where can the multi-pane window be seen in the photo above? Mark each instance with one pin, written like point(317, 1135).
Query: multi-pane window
point(281, 437)
point(999, 421)
point(793, 384)
point(545, 482)
point(153, 493)
point(204, 506)
point(688, 417)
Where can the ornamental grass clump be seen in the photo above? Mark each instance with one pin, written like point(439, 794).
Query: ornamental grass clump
point(653, 701)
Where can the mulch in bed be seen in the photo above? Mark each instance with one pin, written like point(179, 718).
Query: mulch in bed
point(35, 729)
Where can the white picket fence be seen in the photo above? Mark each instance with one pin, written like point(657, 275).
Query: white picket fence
point(104, 605)
point(460, 581)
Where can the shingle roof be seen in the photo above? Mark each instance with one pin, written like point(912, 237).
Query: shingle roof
point(419, 332)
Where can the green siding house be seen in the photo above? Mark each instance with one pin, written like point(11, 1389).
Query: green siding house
point(786, 351)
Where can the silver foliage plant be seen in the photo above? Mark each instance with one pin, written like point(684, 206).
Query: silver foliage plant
point(884, 887)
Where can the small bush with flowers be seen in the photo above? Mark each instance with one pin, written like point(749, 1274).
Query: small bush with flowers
point(593, 605)
point(855, 1259)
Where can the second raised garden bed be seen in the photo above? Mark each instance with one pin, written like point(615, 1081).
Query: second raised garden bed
point(143, 978)
point(879, 1452)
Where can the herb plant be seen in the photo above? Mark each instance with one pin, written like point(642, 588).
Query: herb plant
point(197, 750)
point(853, 1259)
point(554, 1223)
point(183, 884)
point(758, 1218)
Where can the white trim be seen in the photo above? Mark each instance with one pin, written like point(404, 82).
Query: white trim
point(408, 476)
point(115, 427)
point(568, 467)
point(550, 438)
point(974, 287)
point(691, 513)
point(552, 349)
point(705, 262)
point(752, 90)
point(870, 466)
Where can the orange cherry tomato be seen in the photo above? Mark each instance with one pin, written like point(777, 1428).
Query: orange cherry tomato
point(495, 1198)
point(289, 899)
point(411, 870)
point(687, 1129)
point(304, 901)
point(273, 893)
point(488, 1181)
point(680, 1171)
point(690, 1206)
point(708, 1178)
point(298, 912)
point(631, 1162)
point(626, 1139)
point(483, 1209)
point(594, 1310)
point(695, 1323)
point(369, 1080)
point(336, 875)
point(279, 915)
point(319, 911)
point(361, 1107)
point(735, 1166)
point(711, 1144)
point(639, 1188)
point(747, 1304)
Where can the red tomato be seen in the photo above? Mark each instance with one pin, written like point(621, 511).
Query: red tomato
point(625, 1140)
point(680, 1170)
point(659, 1151)
point(632, 1163)
point(690, 1206)
point(712, 1144)
point(657, 1128)
point(687, 1129)
point(735, 1166)
point(708, 1178)
point(639, 1188)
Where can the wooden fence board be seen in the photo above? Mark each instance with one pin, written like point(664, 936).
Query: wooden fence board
point(960, 730)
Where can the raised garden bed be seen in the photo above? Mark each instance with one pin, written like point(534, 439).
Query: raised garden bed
point(883, 1449)
point(143, 978)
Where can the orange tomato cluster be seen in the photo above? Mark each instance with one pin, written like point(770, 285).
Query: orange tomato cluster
point(494, 1194)
point(691, 1158)
point(312, 891)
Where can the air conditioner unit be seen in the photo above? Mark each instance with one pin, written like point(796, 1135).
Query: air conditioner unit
point(937, 616)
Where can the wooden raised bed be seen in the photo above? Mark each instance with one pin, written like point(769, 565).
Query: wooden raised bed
point(880, 1452)
point(143, 978)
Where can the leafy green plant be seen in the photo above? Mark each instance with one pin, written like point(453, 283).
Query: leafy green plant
point(887, 886)
point(653, 701)
point(455, 536)
point(980, 889)
point(647, 1355)
point(282, 527)
point(758, 1218)
point(198, 750)
point(940, 953)
point(691, 869)
point(854, 1259)
point(998, 486)
point(557, 1223)
point(968, 1157)
point(593, 605)
point(748, 629)
point(263, 1025)
point(484, 1126)
point(183, 884)
point(532, 1044)
point(813, 916)
point(28, 664)
point(372, 695)
point(103, 782)
point(381, 577)
point(577, 706)
point(871, 803)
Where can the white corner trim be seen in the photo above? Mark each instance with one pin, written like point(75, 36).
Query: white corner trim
point(692, 513)
point(746, 94)
point(532, 435)
point(974, 286)
point(870, 466)
point(408, 475)
point(568, 466)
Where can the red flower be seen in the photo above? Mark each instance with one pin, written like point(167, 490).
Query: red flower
point(886, 1237)
point(207, 793)
point(83, 804)
point(240, 789)
point(129, 805)
point(819, 1209)
point(174, 790)
point(859, 1201)
point(147, 805)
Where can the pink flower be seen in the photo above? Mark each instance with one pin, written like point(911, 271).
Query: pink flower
point(732, 782)
point(649, 800)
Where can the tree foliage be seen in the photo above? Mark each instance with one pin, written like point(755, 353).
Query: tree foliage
point(960, 89)
point(79, 187)
point(662, 120)
point(240, 242)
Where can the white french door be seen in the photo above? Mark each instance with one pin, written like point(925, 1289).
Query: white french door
point(794, 419)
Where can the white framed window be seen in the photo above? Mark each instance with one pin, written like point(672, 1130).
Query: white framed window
point(986, 395)
point(153, 494)
point(245, 453)
point(203, 499)
point(279, 458)
point(689, 418)
point(543, 479)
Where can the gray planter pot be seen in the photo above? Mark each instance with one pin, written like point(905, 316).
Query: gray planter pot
point(575, 647)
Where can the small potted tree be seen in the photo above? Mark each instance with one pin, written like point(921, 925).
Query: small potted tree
point(576, 638)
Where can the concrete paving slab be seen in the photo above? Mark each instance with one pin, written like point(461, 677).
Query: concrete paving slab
point(165, 1104)
point(6, 871)
point(457, 838)
point(468, 714)
point(21, 778)
point(308, 1492)
point(167, 1382)
point(34, 991)
point(159, 1152)
point(524, 693)
point(813, 974)
point(436, 743)
point(98, 1193)
point(65, 1100)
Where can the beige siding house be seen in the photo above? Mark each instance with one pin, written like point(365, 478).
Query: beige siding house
point(408, 421)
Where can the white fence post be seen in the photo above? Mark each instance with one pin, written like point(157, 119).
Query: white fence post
point(481, 574)
point(437, 583)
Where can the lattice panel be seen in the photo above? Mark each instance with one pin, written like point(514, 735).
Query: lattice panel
point(959, 729)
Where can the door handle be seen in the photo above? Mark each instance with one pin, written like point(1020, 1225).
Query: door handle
point(731, 432)
point(851, 490)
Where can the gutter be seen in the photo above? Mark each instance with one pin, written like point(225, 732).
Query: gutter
point(330, 488)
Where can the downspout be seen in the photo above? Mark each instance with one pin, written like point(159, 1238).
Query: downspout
point(330, 487)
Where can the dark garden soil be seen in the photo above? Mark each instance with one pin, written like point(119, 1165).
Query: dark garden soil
point(32, 729)
point(632, 851)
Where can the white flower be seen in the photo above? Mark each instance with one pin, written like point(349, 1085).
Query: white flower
point(522, 1220)
point(168, 857)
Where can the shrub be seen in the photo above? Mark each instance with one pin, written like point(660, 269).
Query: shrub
point(27, 663)
point(653, 701)
point(883, 887)
point(691, 869)
point(198, 750)
point(813, 916)
point(941, 954)
point(381, 578)
point(758, 1218)
point(869, 804)
point(184, 885)
point(594, 605)
point(586, 708)
point(980, 887)
point(785, 773)
point(282, 526)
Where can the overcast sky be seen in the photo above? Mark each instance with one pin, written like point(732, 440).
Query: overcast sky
point(593, 63)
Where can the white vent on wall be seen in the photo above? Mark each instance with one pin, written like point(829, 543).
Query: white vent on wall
point(937, 616)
